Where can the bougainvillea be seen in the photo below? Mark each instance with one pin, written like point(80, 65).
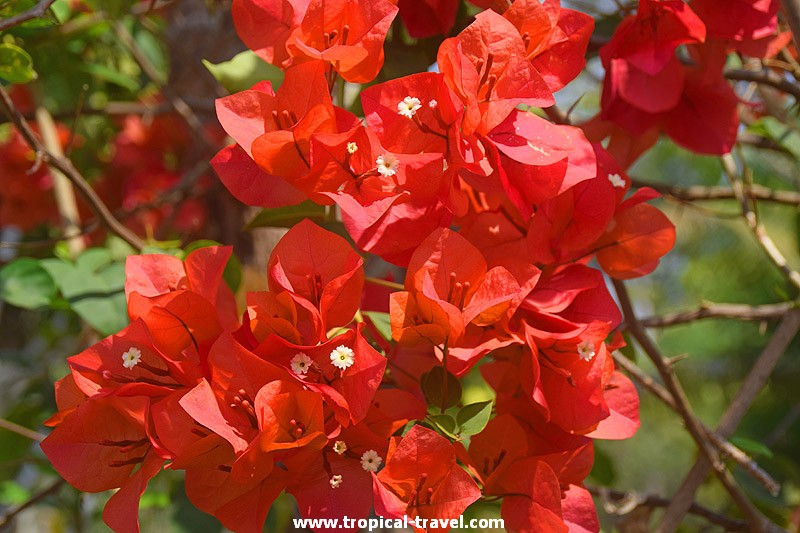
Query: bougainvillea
point(506, 224)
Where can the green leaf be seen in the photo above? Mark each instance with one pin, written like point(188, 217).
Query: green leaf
point(153, 499)
point(381, 321)
point(16, 65)
point(25, 283)
point(628, 350)
point(94, 289)
point(772, 128)
point(473, 418)
point(243, 71)
point(752, 447)
point(444, 422)
point(603, 471)
point(286, 217)
point(110, 75)
point(12, 493)
point(433, 388)
point(152, 48)
point(94, 259)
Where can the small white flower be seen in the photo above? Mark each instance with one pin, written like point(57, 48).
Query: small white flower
point(387, 165)
point(433, 104)
point(617, 181)
point(371, 461)
point(335, 481)
point(342, 357)
point(409, 106)
point(586, 350)
point(301, 363)
point(131, 358)
point(339, 447)
point(352, 148)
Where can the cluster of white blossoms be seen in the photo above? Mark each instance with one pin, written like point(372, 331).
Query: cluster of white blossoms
point(586, 350)
point(371, 461)
point(409, 106)
point(131, 358)
point(342, 357)
point(617, 181)
point(301, 363)
point(387, 165)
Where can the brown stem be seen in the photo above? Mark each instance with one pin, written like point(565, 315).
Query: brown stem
point(65, 166)
point(737, 455)
point(757, 522)
point(37, 11)
point(12, 513)
point(385, 283)
point(765, 77)
point(700, 192)
point(752, 385)
point(21, 430)
point(62, 188)
point(758, 230)
point(720, 310)
point(631, 500)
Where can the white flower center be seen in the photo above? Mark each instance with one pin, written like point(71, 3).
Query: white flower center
point(352, 148)
point(335, 481)
point(433, 104)
point(387, 165)
point(371, 461)
point(339, 447)
point(617, 181)
point(301, 363)
point(409, 106)
point(131, 358)
point(342, 357)
point(586, 350)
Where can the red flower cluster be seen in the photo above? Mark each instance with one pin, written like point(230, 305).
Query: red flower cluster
point(664, 71)
point(495, 213)
point(247, 411)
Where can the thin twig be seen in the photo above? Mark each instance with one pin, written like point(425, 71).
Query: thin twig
point(737, 455)
point(764, 77)
point(35, 12)
point(21, 430)
point(556, 115)
point(700, 192)
point(752, 385)
point(86, 229)
point(150, 70)
point(385, 283)
point(66, 167)
point(129, 108)
point(12, 513)
point(760, 233)
point(633, 500)
point(755, 519)
point(720, 310)
point(62, 188)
